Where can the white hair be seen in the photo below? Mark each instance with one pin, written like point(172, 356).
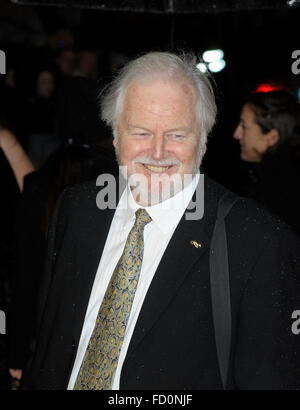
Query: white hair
point(163, 65)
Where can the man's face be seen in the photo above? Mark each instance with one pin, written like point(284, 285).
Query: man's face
point(158, 134)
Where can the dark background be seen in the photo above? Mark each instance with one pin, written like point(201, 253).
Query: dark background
point(257, 36)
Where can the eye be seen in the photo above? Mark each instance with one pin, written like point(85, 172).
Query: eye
point(176, 136)
point(141, 134)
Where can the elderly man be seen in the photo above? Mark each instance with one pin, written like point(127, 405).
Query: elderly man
point(128, 300)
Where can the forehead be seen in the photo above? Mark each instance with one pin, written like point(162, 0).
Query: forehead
point(159, 98)
point(247, 113)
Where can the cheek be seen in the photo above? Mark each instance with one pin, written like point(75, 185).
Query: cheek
point(131, 149)
point(187, 155)
point(248, 140)
point(253, 138)
point(190, 152)
point(254, 142)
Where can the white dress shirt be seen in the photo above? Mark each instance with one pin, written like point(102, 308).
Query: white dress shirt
point(157, 235)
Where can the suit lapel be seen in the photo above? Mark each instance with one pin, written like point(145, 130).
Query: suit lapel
point(178, 260)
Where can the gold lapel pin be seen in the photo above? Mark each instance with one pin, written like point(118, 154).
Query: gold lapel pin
point(196, 244)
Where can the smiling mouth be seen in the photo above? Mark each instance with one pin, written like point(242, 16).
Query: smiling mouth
point(158, 169)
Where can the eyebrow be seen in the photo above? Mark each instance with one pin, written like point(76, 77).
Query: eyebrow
point(178, 129)
point(139, 127)
point(170, 130)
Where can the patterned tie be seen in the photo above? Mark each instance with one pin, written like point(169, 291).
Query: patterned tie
point(101, 358)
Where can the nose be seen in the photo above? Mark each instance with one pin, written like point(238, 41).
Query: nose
point(158, 148)
point(237, 133)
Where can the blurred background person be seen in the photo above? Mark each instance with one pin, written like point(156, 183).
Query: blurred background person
point(269, 137)
point(69, 164)
point(87, 64)
point(42, 140)
point(77, 114)
point(21, 166)
point(65, 61)
point(15, 155)
point(83, 155)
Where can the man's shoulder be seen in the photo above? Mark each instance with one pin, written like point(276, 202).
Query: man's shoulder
point(249, 219)
point(80, 196)
point(256, 237)
point(82, 189)
point(248, 212)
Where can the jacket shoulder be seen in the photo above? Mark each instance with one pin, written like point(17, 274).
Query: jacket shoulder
point(249, 225)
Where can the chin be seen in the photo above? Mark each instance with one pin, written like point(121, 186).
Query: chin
point(152, 193)
point(249, 158)
point(245, 157)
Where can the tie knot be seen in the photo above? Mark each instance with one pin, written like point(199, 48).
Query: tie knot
point(142, 217)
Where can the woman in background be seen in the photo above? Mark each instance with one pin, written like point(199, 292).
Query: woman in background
point(269, 136)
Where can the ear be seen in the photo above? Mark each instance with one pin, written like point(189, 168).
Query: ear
point(272, 137)
point(115, 138)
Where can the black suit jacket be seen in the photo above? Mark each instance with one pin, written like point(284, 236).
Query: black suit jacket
point(173, 344)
